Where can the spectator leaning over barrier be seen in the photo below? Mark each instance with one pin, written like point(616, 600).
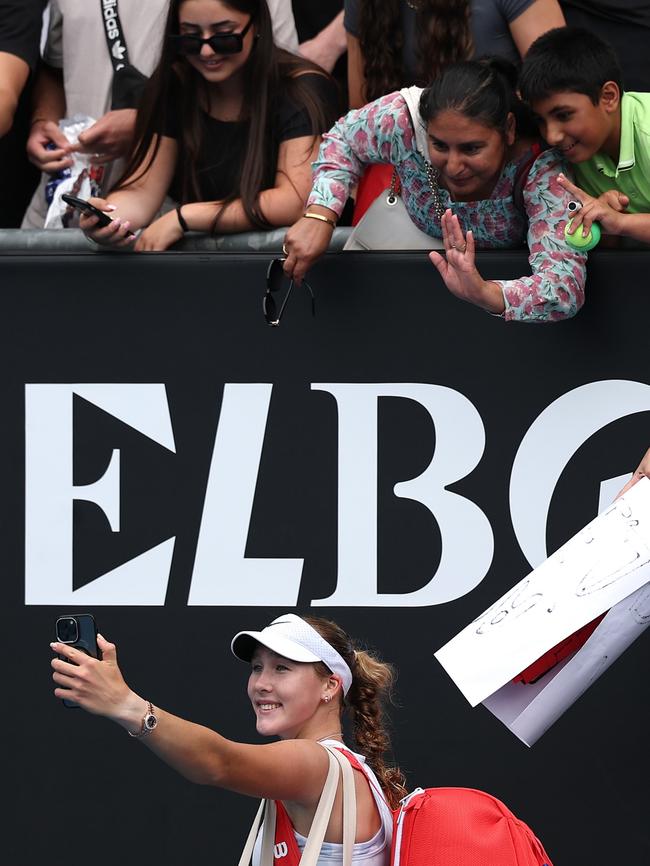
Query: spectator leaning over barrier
point(229, 125)
point(487, 184)
point(572, 81)
point(398, 43)
point(77, 77)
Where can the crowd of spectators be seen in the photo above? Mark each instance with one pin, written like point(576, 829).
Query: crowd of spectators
point(221, 117)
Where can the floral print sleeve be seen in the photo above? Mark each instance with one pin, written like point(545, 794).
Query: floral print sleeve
point(556, 288)
point(380, 132)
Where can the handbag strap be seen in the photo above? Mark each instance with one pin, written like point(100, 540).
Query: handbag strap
point(395, 187)
point(338, 766)
point(411, 96)
point(115, 39)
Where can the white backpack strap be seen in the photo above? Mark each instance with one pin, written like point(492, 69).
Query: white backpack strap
point(267, 810)
point(412, 98)
point(267, 852)
point(349, 806)
point(324, 810)
point(247, 853)
point(338, 766)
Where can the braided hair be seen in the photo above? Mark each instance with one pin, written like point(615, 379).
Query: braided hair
point(372, 684)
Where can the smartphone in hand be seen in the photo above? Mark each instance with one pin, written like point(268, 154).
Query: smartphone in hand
point(89, 209)
point(80, 631)
point(85, 207)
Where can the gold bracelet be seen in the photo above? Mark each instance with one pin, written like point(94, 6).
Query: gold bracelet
point(319, 216)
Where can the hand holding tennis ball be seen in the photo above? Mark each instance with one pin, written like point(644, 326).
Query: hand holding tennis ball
point(575, 237)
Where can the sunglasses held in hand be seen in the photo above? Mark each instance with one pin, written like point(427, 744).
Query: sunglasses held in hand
point(274, 279)
point(220, 43)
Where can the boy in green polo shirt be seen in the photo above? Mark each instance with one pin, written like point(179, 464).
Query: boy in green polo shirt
point(571, 79)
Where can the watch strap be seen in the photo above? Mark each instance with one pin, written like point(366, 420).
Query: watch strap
point(149, 722)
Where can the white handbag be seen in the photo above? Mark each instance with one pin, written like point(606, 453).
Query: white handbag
point(386, 224)
point(339, 766)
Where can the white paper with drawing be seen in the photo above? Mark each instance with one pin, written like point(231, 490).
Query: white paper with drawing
point(528, 710)
point(600, 566)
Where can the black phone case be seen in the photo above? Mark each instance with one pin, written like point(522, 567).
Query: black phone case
point(87, 208)
point(86, 641)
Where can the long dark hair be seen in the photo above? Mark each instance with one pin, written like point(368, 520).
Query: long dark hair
point(372, 684)
point(483, 90)
point(269, 73)
point(444, 36)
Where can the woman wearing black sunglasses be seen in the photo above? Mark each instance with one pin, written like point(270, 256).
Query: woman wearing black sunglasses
point(228, 127)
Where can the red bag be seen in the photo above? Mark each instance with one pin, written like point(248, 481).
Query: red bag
point(375, 179)
point(442, 827)
point(461, 827)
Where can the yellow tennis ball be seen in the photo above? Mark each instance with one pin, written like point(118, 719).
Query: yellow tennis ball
point(577, 241)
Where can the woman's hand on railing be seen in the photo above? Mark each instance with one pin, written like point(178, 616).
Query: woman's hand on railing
point(161, 234)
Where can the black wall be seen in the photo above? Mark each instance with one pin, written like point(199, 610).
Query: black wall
point(78, 788)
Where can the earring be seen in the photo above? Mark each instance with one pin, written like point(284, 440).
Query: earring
point(327, 699)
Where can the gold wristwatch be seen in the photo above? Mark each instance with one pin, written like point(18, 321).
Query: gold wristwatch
point(149, 722)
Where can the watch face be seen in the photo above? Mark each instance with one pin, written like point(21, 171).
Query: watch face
point(150, 721)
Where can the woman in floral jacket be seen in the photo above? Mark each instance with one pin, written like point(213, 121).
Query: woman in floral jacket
point(479, 179)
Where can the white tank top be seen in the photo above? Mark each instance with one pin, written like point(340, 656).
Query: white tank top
point(374, 852)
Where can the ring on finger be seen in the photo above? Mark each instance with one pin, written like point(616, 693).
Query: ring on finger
point(285, 250)
point(461, 248)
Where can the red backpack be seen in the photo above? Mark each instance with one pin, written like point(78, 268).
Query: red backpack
point(461, 827)
point(441, 827)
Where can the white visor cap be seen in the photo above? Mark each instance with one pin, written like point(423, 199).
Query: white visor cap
point(292, 637)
